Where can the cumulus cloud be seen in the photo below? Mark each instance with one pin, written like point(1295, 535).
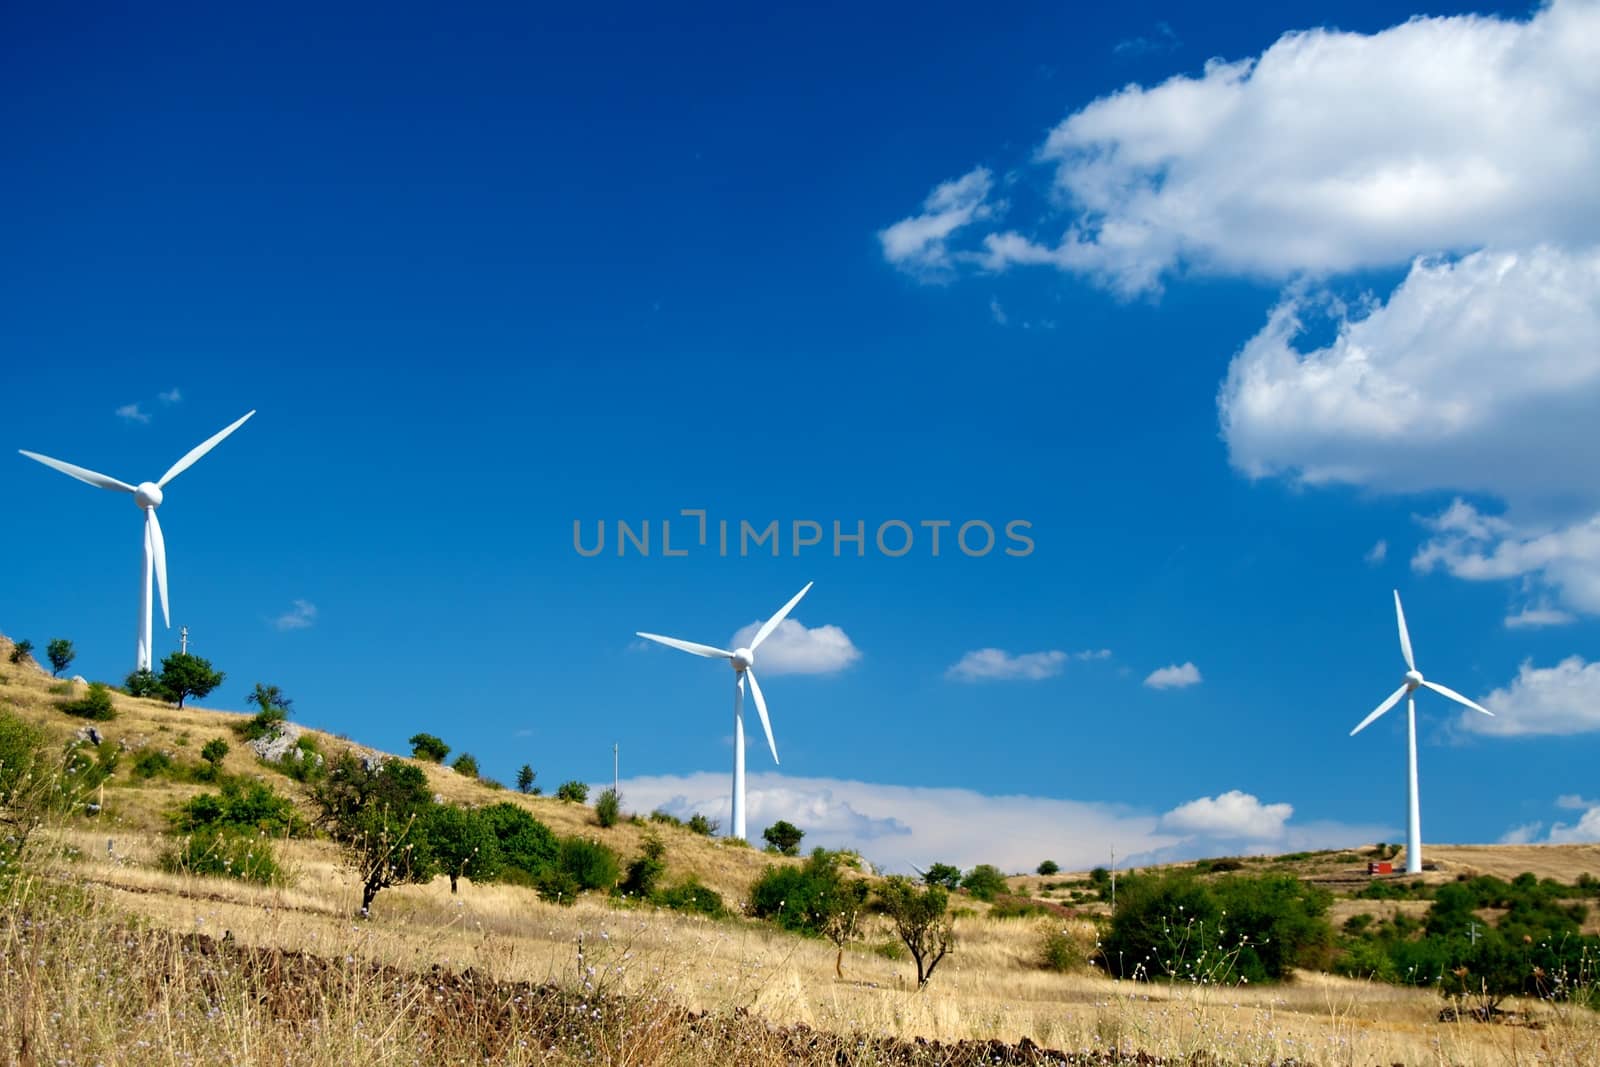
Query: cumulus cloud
point(918, 244)
point(794, 649)
point(133, 413)
point(1175, 676)
point(1586, 830)
point(1479, 374)
point(171, 396)
point(1559, 700)
point(996, 664)
point(1234, 814)
point(1530, 617)
point(1575, 802)
point(301, 615)
point(1328, 152)
point(901, 827)
point(1377, 553)
point(1563, 556)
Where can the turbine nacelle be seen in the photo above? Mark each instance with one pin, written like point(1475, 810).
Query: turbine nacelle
point(742, 659)
point(1413, 679)
point(147, 495)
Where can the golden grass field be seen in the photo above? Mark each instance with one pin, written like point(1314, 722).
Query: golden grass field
point(79, 987)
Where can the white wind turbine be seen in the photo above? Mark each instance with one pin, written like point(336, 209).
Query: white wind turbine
point(148, 496)
point(1413, 679)
point(741, 660)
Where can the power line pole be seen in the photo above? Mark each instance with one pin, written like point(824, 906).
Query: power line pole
point(183, 636)
point(1113, 878)
point(616, 782)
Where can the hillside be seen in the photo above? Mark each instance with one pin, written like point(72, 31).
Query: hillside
point(991, 987)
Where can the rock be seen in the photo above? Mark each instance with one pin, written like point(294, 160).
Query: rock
point(78, 679)
point(278, 745)
point(371, 762)
point(89, 734)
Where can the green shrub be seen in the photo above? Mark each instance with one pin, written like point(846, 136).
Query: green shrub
point(526, 844)
point(464, 843)
point(985, 882)
point(558, 887)
point(608, 808)
point(525, 777)
point(224, 854)
point(783, 837)
point(573, 792)
point(646, 870)
point(142, 683)
point(1008, 906)
point(1049, 867)
point(943, 874)
point(95, 704)
point(466, 765)
point(428, 747)
point(1060, 951)
point(702, 825)
point(665, 817)
point(694, 898)
point(267, 722)
point(214, 751)
point(243, 806)
point(21, 651)
point(154, 763)
point(591, 864)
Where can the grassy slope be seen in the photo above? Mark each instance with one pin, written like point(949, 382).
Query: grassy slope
point(989, 987)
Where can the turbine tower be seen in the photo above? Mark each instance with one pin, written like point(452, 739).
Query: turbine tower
point(1408, 687)
point(742, 660)
point(148, 495)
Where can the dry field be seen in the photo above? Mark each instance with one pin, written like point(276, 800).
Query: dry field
point(84, 982)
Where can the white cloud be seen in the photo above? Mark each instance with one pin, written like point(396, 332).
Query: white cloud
point(1479, 547)
point(1526, 834)
point(1377, 553)
point(1479, 374)
point(1330, 152)
point(1233, 814)
point(794, 649)
point(132, 413)
point(1093, 654)
point(1164, 39)
point(996, 664)
point(1559, 700)
point(917, 244)
point(1175, 676)
point(1539, 616)
point(1586, 830)
point(997, 312)
point(171, 396)
point(301, 615)
point(1575, 802)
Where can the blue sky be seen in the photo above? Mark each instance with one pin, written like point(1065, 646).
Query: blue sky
point(1252, 320)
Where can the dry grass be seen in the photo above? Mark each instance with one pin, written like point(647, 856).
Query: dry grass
point(81, 998)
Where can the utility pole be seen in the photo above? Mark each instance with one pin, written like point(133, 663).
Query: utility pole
point(1113, 878)
point(616, 782)
point(183, 636)
point(1472, 932)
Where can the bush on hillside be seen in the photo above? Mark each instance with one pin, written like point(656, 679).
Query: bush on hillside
point(428, 747)
point(466, 765)
point(95, 704)
point(608, 808)
point(573, 792)
point(223, 853)
point(985, 882)
point(142, 683)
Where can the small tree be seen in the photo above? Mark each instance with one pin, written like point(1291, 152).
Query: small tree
point(645, 872)
point(270, 698)
point(1049, 867)
point(21, 651)
point(702, 825)
point(61, 655)
point(526, 844)
point(783, 837)
point(574, 792)
point(921, 920)
point(142, 683)
point(985, 882)
point(464, 843)
point(379, 815)
point(213, 752)
point(525, 778)
point(608, 808)
point(840, 904)
point(428, 747)
point(943, 874)
point(466, 765)
point(184, 676)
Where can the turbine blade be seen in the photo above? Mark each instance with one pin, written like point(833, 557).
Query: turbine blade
point(199, 450)
point(158, 544)
point(761, 706)
point(772, 623)
point(1394, 698)
point(83, 474)
point(1405, 638)
point(1444, 690)
point(687, 646)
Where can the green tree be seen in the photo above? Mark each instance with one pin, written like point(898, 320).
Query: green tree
point(464, 843)
point(985, 882)
point(589, 864)
point(428, 747)
point(379, 814)
point(142, 683)
point(702, 825)
point(608, 808)
point(270, 698)
point(574, 792)
point(184, 676)
point(466, 765)
point(214, 752)
point(921, 920)
point(645, 872)
point(943, 874)
point(21, 651)
point(61, 655)
point(1049, 867)
point(525, 843)
point(525, 778)
point(783, 837)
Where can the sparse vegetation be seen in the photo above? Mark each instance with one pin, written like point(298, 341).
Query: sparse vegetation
point(21, 651)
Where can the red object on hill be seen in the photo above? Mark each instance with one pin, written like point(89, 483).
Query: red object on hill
point(1380, 867)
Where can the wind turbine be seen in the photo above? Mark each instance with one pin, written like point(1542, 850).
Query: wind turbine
point(741, 659)
point(1413, 680)
point(148, 496)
